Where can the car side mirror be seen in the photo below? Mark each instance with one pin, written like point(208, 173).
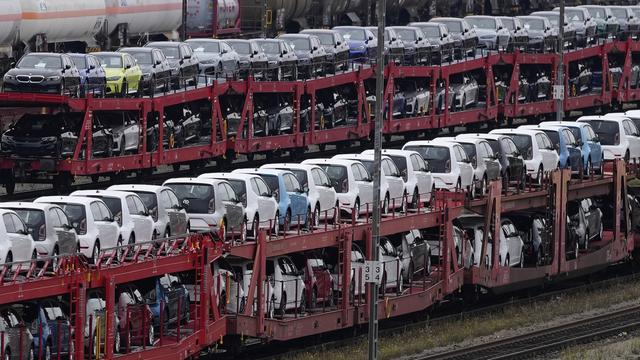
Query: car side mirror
point(224, 51)
point(466, 31)
point(315, 48)
point(284, 52)
point(128, 66)
point(499, 27)
point(518, 28)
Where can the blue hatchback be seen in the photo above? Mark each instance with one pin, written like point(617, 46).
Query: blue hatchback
point(293, 203)
point(588, 142)
point(168, 294)
point(49, 326)
point(565, 144)
point(362, 42)
point(93, 78)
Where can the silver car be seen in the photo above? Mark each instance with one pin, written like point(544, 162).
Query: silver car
point(216, 57)
point(492, 34)
point(466, 93)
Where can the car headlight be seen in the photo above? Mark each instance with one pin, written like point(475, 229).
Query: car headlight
point(114, 78)
point(207, 61)
point(53, 78)
point(146, 76)
point(305, 61)
point(360, 48)
point(435, 47)
point(49, 139)
point(273, 62)
point(9, 77)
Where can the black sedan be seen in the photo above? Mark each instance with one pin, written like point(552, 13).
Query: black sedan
point(183, 62)
point(253, 61)
point(41, 135)
point(312, 57)
point(43, 73)
point(155, 67)
point(283, 62)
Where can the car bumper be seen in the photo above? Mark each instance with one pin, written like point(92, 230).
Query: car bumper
point(204, 223)
point(50, 88)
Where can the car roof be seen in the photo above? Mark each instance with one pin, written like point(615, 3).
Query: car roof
point(25, 205)
point(107, 53)
point(163, 43)
point(67, 199)
point(532, 17)
point(45, 54)
point(343, 162)
point(237, 40)
point(136, 48)
point(596, 117)
point(541, 127)
point(136, 187)
point(434, 142)
point(263, 171)
point(319, 31)
point(289, 165)
point(268, 40)
point(100, 193)
point(396, 152)
point(544, 13)
point(205, 40)
point(295, 36)
point(529, 132)
point(424, 23)
point(348, 27)
point(447, 19)
point(479, 17)
point(563, 123)
point(192, 180)
point(227, 175)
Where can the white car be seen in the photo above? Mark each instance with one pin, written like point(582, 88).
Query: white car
point(539, 154)
point(393, 276)
point(392, 191)
point(617, 134)
point(259, 204)
point(129, 212)
point(92, 220)
point(449, 164)
point(224, 280)
point(351, 181)
point(288, 286)
point(357, 273)
point(486, 166)
point(49, 227)
point(211, 205)
point(511, 245)
point(95, 311)
point(169, 217)
point(418, 181)
point(322, 196)
point(15, 242)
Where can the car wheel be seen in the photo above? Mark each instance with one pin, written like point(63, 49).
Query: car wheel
point(308, 220)
point(287, 221)
point(540, 175)
point(539, 257)
point(458, 185)
point(400, 283)
point(589, 169)
point(505, 181)
point(276, 224)
point(627, 157)
point(483, 186)
point(255, 227)
point(403, 207)
point(283, 304)
point(224, 230)
point(415, 199)
point(410, 274)
point(63, 88)
point(523, 179)
point(521, 259)
point(9, 260)
point(330, 299)
point(47, 351)
point(385, 205)
point(243, 230)
point(316, 216)
point(428, 265)
point(271, 306)
point(356, 210)
point(150, 333)
point(55, 260)
point(116, 342)
point(507, 261)
point(124, 89)
point(314, 299)
point(31, 355)
point(152, 86)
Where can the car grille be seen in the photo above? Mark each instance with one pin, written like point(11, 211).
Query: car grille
point(34, 79)
point(611, 28)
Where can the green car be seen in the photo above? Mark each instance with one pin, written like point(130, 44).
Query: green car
point(122, 71)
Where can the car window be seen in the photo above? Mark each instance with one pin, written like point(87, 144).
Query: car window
point(255, 187)
point(131, 205)
point(459, 153)
point(17, 223)
point(384, 167)
point(356, 173)
point(165, 202)
point(363, 172)
point(287, 267)
point(231, 193)
point(296, 184)
point(263, 187)
point(64, 220)
point(142, 209)
point(222, 193)
point(95, 211)
point(315, 175)
point(590, 133)
point(8, 224)
point(10, 318)
point(54, 218)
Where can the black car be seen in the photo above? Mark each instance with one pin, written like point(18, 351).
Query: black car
point(183, 62)
point(312, 56)
point(512, 165)
point(41, 135)
point(253, 61)
point(93, 78)
point(441, 42)
point(283, 62)
point(155, 67)
point(334, 45)
point(167, 298)
point(43, 73)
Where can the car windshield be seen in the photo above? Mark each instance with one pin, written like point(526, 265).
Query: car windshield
point(430, 31)
point(325, 38)
point(299, 44)
point(79, 61)
point(142, 57)
point(553, 136)
point(270, 47)
point(205, 46)
point(338, 176)
point(575, 15)
point(272, 182)
point(149, 199)
point(495, 145)
point(33, 218)
point(40, 62)
point(406, 34)
point(619, 13)
point(75, 213)
point(170, 52)
point(598, 13)
point(35, 125)
point(523, 142)
point(535, 24)
point(482, 23)
point(352, 34)
point(242, 48)
point(436, 156)
point(452, 25)
point(553, 19)
point(110, 61)
point(196, 198)
point(607, 131)
point(509, 23)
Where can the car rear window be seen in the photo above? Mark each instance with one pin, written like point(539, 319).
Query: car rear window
point(607, 131)
point(523, 142)
point(194, 197)
point(75, 213)
point(205, 46)
point(436, 156)
point(553, 136)
point(149, 199)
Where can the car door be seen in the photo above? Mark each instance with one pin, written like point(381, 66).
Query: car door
point(145, 219)
point(177, 216)
point(466, 170)
point(365, 186)
point(188, 64)
point(422, 174)
point(396, 184)
point(20, 245)
point(634, 138)
point(107, 228)
point(298, 199)
point(550, 156)
point(325, 190)
point(492, 164)
point(233, 208)
point(515, 160)
point(266, 203)
point(389, 262)
point(65, 236)
point(595, 149)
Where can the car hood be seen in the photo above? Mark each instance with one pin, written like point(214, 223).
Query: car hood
point(244, 57)
point(302, 54)
point(113, 72)
point(33, 71)
point(174, 62)
point(355, 44)
point(206, 56)
point(146, 68)
point(486, 32)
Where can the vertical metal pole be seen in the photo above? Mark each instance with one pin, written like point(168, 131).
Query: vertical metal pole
point(373, 293)
point(560, 71)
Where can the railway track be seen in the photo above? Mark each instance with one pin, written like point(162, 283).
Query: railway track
point(448, 311)
point(546, 340)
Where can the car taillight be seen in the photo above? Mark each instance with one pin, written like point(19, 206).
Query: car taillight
point(42, 233)
point(345, 185)
point(212, 206)
point(83, 227)
point(447, 166)
point(616, 141)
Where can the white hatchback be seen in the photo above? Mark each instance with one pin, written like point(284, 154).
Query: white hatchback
point(449, 164)
point(169, 217)
point(392, 192)
point(618, 135)
point(540, 156)
point(15, 242)
point(129, 211)
point(316, 183)
point(418, 181)
point(92, 220)
point(351, 181)
point(259, 204)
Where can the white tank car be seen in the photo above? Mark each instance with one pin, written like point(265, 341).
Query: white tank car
point(10, 16)
point(144, 16)
point(200, 15)
point(62, 20)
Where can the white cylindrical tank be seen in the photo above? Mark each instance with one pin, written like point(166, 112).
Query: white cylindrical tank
point(144, 16)
point(62, 20)
point(200, 15)
point(10, 16)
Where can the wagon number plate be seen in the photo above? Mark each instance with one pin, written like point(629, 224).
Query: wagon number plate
point(372, 272)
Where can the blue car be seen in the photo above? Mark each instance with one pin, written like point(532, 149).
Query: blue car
point(592, 155)
point(564, 143)
point(49, 326)
point(362, 42)
point(293, 203)
point(93, 78)
point(168, 294)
